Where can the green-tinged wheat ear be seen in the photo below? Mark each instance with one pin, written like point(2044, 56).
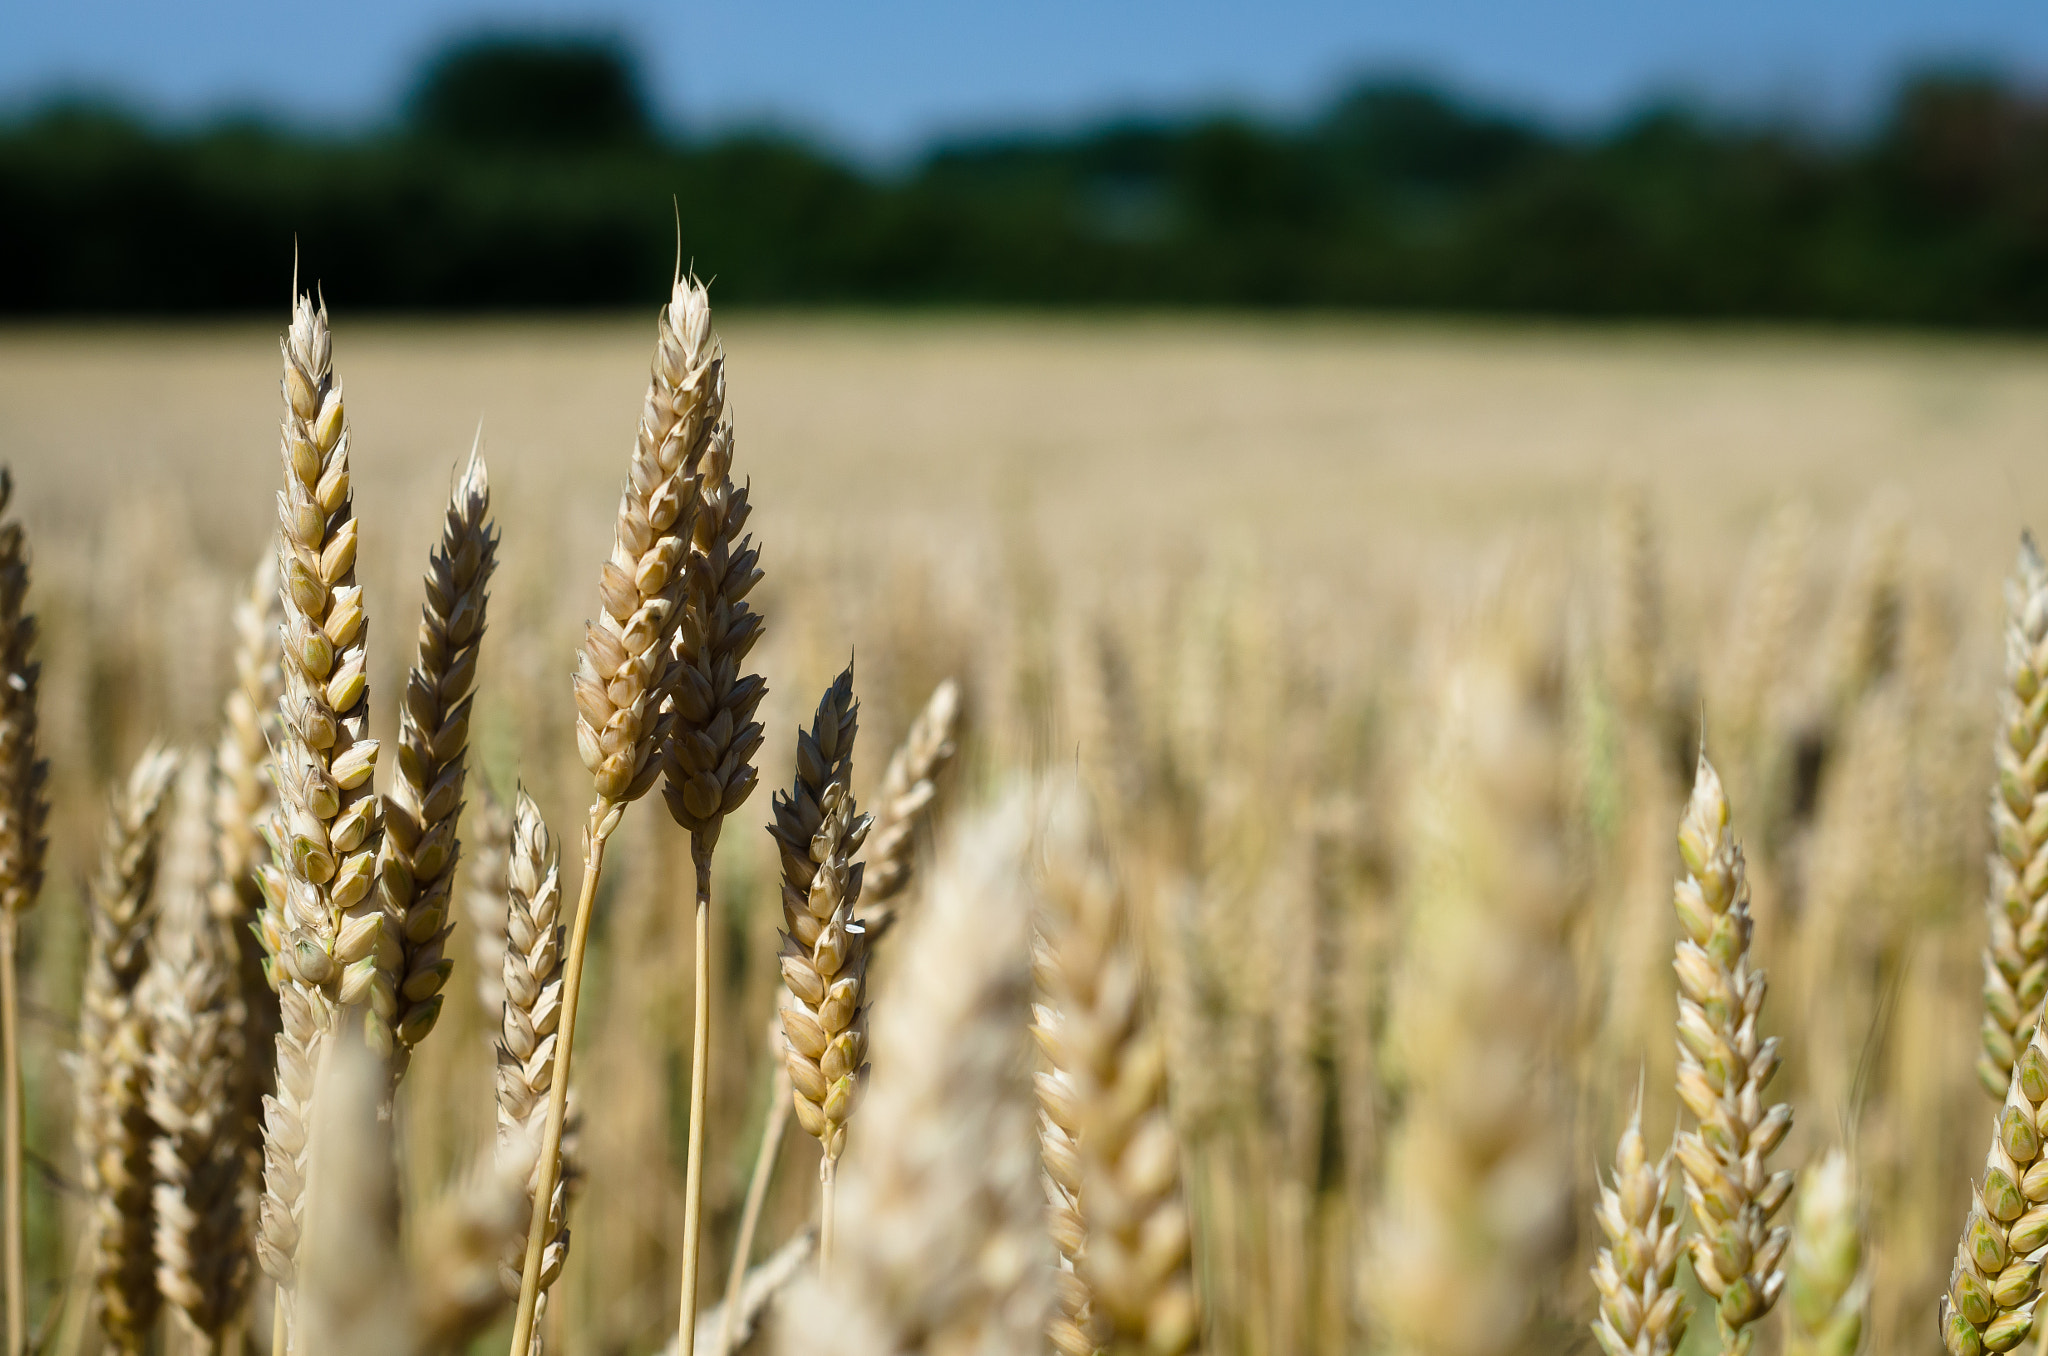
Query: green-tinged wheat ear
point(908, 794)
point(333, 951)
point(202, 1155)
point(1827, 1288)
point(1996, 1280)
point(416, 879)
point(2016, 902)
point(1135, 1290)
point(1724, 1069)
point(114, 1127)
point(1642, 1310)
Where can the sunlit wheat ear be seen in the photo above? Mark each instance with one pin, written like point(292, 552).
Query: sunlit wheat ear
point(908, 794)
point(486, 882)
point(1136, 1291)
point(1996, 1280)
point(1827, 1287)
point(1724, 1068)
point(114, 1129)
point(942, 1244)
point(2016, 904)
point(1643, 1312)
point(197, 1061)
point(1059, 1131)
point(824, 947)
point(333, 951)
point(531, 976)
point(417, 877)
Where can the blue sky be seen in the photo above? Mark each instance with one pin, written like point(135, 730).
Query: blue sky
point(881, 76)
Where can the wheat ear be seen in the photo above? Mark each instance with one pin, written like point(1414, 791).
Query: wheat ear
point(709, 769)
point(425, 802)
point(197, 1059)
point(1136, 1291)
point(114, 1130)
point(824, 947)
point(905, 801)
point(531, 976)
point(944, 1247)
point(333, 952)
point(24, 806)
point(1059, 1131)
point(1642, 1310)
point(1724, 1068)
point(1996, 1282)
point(486, 885)
point(2016, 904)
point(625, 673)
point(1826, 1286)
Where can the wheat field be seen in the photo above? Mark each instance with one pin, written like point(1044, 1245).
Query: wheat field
point(1382, 652)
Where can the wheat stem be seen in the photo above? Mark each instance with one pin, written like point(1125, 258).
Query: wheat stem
point(700, 1077)
point(10, 1070)
point(750, 1213)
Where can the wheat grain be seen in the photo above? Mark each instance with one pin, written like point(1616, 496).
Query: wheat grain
point(1134, 1261)
point(197, 1057)
point(625, 675)
point(2016, 902)
point(1996, 1280)
point(114, 1129)
point(24, 807)
point(333, 951)
point(1642, 1310)
point(425, 803)
point(1826, 1286)
point(1724, 1068)
point(908, 793)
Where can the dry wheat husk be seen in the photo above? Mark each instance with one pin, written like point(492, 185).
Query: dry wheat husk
point(1643, 1312)
point(1996, 1280)
point(824, 947)
point(24, 802)
point(202, 1156)
point(1136, 1290)
point(1724, 1068)
point(334, 952)
point(943, 1249)
point(906, 800)
point(485, 887)
point(2016, 903)
point(425, 803)
point(1059, 1131)
point(1827, 1288)
point(114, 1128)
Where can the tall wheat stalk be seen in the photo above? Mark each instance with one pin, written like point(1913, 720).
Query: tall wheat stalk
point(333, 952)
point(24, 806)
point(709, 769)
point(2016, 903)
point(625, 676)
point(114, 1126)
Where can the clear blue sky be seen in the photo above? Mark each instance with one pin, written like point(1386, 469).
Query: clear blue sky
point(883, 75)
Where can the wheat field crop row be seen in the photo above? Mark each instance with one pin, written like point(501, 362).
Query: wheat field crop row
point(1325, 699)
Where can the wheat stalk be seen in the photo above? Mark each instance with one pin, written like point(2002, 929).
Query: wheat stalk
point(1724, 1067)
point(197, 1058)
point(114, 1129)
point(624, 677)
point(709, 770)
point(906, 799)
point(824, 948)
point(1136, 1286)
point(1826, 1287)
point(425, 802)
point(1996, 1281)
point(24, 806)
point(1642, 1310)
point(2016, 903)
point(333, 952)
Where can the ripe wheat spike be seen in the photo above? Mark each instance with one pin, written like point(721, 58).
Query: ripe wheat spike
point(425, 802)
point(114, 1129)
point(1996, 1281)
point(1642, 1310)
point(908, 794)
point(2016, 904)
point(1724, 1068)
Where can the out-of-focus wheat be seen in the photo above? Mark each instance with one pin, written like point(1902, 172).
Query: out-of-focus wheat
point(114, 1127)
point(1642, 1310)
point(1996, 1281)
point(1827, 1288)
point(1724, 1068)
point(908, 793)
point(2016, 908)
point(485, 888)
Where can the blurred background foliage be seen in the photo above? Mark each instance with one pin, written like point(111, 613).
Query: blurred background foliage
point(526, 174)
